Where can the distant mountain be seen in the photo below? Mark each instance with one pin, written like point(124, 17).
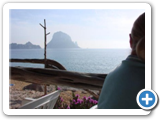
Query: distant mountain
point(61, 40)
point(28, 45)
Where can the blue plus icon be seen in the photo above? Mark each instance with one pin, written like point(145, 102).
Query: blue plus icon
point(147, 99)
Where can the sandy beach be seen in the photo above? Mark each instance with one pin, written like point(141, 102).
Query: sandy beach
point(17, 94)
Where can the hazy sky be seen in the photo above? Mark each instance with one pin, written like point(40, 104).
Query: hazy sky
point(91, 28)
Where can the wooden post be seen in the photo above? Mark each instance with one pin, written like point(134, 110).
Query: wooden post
point(45, 43)
point(45, 46)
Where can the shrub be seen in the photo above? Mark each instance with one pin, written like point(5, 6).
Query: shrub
point(85, 103)
point(60, 105)
point(75, 103)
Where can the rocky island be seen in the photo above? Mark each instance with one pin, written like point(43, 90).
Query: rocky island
point(28, 45)
point(61, 40)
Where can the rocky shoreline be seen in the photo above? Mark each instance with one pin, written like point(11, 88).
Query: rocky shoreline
point(18, 94)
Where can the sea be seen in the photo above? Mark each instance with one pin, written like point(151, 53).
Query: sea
point(75, 59)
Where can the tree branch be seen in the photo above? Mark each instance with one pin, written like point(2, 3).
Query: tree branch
point(48, 33)
point(49, 62)
point(42, 25)
point(58, 77)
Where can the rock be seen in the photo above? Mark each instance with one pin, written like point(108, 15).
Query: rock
point(50, 88)
point(35, 87)
point(33, 92)
point(64, 89)
point(61, 40)
point(84, 92)
point(73, 90)
point(28, 45)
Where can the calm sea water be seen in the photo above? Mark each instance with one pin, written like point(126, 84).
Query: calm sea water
point(80, 60)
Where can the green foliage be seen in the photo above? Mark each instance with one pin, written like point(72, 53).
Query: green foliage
point(76, 103)
point(85, 103)
point(60, 105)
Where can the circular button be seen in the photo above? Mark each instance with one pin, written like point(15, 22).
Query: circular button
point(147, 99)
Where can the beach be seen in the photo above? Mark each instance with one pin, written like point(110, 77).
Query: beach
point(17, 94)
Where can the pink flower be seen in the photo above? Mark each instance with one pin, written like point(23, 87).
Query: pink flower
point(61, 99)
point(68, 107)
point(77, 95)
point(74, 101)
point(91, 100)
point(84, 98)
point(88, 98)
point(95, 102)
point(81, 101)
point(78, 100)
point(58, 88)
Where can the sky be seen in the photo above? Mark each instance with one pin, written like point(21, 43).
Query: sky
point(90, 28)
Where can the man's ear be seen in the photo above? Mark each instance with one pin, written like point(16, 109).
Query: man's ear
point(130, 41)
